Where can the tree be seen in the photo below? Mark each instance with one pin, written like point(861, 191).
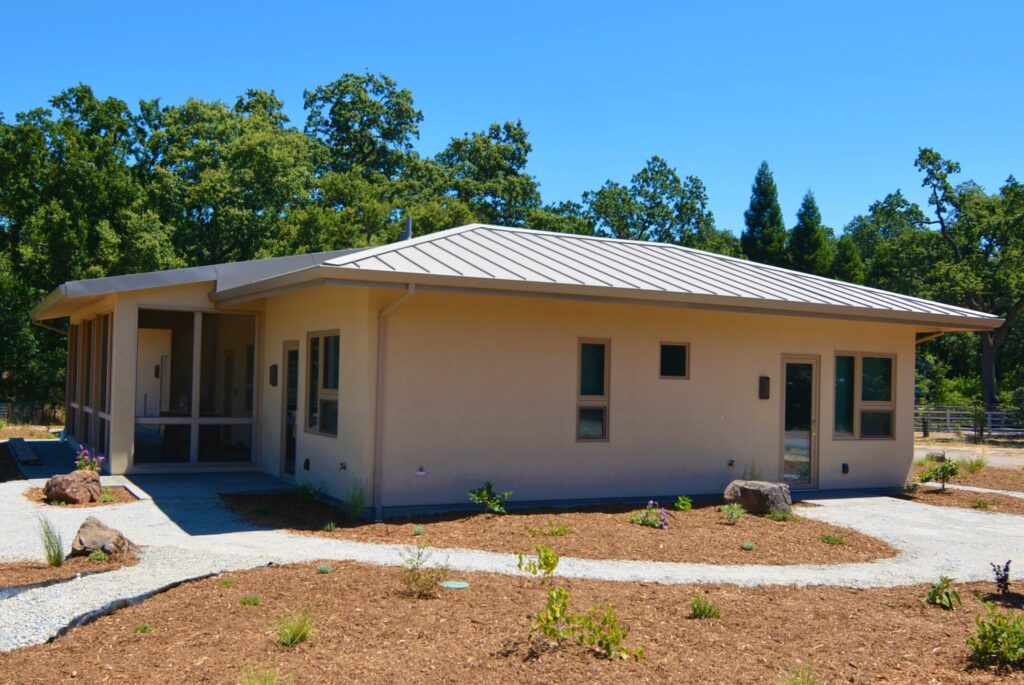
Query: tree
point(764, 239)
point(847, 265)
point(810, 245)
point(564, 217)
point(983, 267)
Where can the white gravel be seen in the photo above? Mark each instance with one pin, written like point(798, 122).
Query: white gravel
point(932, 541)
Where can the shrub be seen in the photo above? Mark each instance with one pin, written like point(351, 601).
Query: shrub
point(779, 515)
point(228, 582)
point(802, 677)
point(256, 676)
point(355, 501)
point(703, 608)
point(492, 501)
point(550, 530)
point(294, 628)
point(941, 595)
point(306, 491)
point(911, 488)
point(751, 472)
point(330, 527)
point(683, 503)
point(544, 565)
point(57, 503)
point(748, 546)
point(942, 472)
point(324, 569)
point(833, 539)
point(553, 619)
point(418, 530)
point(601, 632)
point(106, 495)
point(84, 461)
point(1002, 574)
point(98, 555)
point(980, 504)
point(422, 581)
point(974, 464)
point(998, 639)
point(652, 516)
point(250, 601)
point(143, 628)
point(53, 547)
point(732, 513)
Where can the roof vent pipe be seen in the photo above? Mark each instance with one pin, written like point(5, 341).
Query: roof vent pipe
point(407, 231)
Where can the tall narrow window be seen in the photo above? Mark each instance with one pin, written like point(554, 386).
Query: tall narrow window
point(865, 404)
point(324, 364)
point(593, 393)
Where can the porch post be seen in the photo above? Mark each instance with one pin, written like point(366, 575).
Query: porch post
point(124, 349)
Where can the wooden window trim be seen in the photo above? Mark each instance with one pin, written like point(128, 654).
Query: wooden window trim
point(860, 405)
point(322, 393)
point(671, 343)
point(600, 401)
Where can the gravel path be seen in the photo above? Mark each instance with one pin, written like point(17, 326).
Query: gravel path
point(932, 541)
point(973, 488)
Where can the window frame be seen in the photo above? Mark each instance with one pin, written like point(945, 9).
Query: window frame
point(686, 374)
point(860, 405)
point(594, 401)
point(322, 393)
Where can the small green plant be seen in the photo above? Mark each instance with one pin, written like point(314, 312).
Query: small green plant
point(911, 488)
point(259, 676)
point(833, 539)
point(492, 501)
point(53, 547)
point(307, 491)
point(748, 546)
point(779, 515)
point(553, 620)
point(543, 565)
point(732, 513)
point(84, 461)
point(974, 464)
point(940, 594)
point(330, 527)
point(802, 677)
point(422, 581)
point(998, 639)
point(250, 601)
point(228, 582)
point(324, 569)
point(600, 630)
point(751, 472)
point(418, 531)
point(703, 608)
point(355, 501)
point(295, 627)
point(943, 471)
point(143, 629)
point(98, 556)
point(550, 530)
point(980, 504)
point(106, 495)
point(57, 503)
point(683, 503)
point(651, 516)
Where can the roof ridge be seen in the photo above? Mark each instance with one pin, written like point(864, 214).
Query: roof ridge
point(378, 250)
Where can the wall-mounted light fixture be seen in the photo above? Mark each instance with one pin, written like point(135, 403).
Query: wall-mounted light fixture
point(420, 472)
point(763, 387)
point(273, 375)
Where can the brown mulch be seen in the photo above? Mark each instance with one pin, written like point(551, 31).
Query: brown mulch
point(31, 572)
point(9, 469)
point(367, 630)
point(119, 494)
point(967, 500)
point(694, 536)
point(990, 477)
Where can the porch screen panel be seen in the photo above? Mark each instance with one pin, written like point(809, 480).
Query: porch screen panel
point(226, 369)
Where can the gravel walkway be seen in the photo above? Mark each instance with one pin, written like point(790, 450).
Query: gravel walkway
point(200, 537)
point(973, 488)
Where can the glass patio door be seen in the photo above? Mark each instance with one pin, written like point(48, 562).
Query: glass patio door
point(800, 421)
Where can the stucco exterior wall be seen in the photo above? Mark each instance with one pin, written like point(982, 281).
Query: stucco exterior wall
point(484, 388)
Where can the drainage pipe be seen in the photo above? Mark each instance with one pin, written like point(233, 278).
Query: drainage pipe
point(378, 430)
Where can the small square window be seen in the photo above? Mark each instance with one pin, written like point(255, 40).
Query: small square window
point(876, 424)
point(593, 423)
point(674, 361)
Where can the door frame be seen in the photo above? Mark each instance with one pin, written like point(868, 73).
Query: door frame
point(815, 361)
point(286, 347)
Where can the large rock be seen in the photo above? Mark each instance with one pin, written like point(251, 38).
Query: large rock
point(759, 497)
point(93, 535)
point(77, 487)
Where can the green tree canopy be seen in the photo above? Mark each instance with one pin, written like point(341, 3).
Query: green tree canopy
point(764, 239)
point(811, 248)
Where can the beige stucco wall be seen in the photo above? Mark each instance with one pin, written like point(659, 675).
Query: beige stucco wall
point(484, 388)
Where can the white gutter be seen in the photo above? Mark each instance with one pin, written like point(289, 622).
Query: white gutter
point(378, 410)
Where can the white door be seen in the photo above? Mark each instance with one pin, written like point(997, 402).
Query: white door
point(153, 372)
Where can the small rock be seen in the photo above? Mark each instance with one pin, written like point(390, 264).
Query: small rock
point(93, 535)
point(77, 487)
point(759, 497)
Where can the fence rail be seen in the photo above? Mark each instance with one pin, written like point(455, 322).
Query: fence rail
point(32, 412)
point(964, 420)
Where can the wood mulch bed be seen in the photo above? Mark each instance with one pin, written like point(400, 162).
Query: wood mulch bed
point(367, 630)
point(967, 500)
point(9, 469)
point(696, 536)
point(31, 572)
point(990, 477)
point(117, 493)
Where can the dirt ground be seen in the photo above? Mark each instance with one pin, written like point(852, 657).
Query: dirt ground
point(367, 630)
point(1012, 446)
point(27, 431)
point(29, 572)
point(119, 494)
point(694, 536)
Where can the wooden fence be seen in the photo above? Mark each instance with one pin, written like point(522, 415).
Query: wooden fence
point(42, 413)
point(960, 419)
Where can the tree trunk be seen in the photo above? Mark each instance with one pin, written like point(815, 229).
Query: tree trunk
point(988, 369)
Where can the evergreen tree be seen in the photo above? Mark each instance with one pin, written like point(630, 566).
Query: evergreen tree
point(810, 245)
point(764, 239)
point(847, 265)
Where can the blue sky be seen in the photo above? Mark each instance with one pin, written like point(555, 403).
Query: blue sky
point(837, 96)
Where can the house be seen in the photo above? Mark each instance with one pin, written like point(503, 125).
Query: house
point(558, 366)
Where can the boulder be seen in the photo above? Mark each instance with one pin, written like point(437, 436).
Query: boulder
point(93, 535)
point(758, 496)
point(77, 487)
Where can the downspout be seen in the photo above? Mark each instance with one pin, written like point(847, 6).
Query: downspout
point(378, 434)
